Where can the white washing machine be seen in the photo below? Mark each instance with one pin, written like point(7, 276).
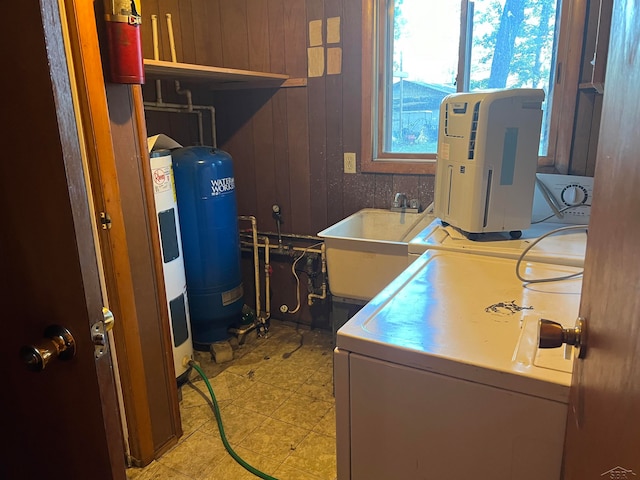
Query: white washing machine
point(565, 248)
point(439, 375)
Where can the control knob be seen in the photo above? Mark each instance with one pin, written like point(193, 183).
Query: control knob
point(573, 195)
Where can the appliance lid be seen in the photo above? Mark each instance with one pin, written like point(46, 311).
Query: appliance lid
point(563, 248)
point(462, 315)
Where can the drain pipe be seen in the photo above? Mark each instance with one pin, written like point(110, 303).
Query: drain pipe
point(267, 279)
point(212, 112)
point(323, 287)
point(277, 214)
point(256, 259)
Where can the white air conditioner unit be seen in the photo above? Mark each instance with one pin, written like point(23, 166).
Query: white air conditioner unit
point(487, 159)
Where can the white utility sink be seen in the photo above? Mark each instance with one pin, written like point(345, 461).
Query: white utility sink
point(368, 249)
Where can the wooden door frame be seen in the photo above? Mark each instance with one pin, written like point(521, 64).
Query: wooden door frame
point(116, 259)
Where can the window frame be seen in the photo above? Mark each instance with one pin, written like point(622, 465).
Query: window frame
point(375, 27)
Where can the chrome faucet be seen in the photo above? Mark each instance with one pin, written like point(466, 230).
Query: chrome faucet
point(400, 200)
point(402, 204)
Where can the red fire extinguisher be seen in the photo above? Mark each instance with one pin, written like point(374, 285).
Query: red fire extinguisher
point(125, 45)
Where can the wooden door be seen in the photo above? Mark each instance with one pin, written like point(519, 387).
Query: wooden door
point(603, 429)
point(62, 422)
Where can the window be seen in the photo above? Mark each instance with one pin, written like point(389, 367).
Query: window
point(419, 51)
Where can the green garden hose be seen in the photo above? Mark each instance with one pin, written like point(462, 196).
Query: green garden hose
point(216, 411)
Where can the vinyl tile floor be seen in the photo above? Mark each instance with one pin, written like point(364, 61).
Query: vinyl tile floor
point(277, 408)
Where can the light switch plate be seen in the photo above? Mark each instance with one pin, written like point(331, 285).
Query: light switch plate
point(349, 162)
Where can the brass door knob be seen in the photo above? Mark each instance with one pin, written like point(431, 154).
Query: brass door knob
point(554, 335)
point(58, 343)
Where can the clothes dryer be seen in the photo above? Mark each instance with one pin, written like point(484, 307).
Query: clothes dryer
point(439, 375)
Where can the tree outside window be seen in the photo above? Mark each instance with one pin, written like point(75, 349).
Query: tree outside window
point(432, 53)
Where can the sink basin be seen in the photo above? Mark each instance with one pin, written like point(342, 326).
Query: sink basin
point(368, 249)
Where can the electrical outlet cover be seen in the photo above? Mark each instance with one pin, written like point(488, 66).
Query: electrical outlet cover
point(349, 162)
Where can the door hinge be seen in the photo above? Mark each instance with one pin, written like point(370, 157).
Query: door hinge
point(105, 221)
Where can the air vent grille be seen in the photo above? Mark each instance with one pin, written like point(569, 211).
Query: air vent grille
point(474, 130)
point(446, 119)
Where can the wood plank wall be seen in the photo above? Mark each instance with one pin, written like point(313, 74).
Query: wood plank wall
point(287, 143)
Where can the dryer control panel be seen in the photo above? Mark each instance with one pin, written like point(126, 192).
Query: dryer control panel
point(570, 195)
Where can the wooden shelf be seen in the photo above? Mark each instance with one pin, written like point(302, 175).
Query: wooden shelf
point(215, 77)
point(591, 86)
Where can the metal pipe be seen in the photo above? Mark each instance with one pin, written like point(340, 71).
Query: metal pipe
point(154, 34)
point(179, 108)
point(291, 235)
point(212, 112)
point(267, 247)
point(172, 43)
point(256, 259)
point(322, 296)
point(172, 46)
point(176, 108)
point(186, 93)
point(302, 249)
point(267, 279)
point(295, 249)
point(278, 221)
point(156, 54)
point(323, 287)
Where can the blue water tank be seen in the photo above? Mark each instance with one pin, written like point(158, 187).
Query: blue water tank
point(206, 198)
